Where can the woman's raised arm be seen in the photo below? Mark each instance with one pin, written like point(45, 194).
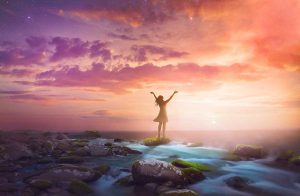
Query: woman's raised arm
point(171, 96)
point(153, 95)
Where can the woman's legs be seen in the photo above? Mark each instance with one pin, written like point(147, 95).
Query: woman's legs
point(159, 128)
point(164, 129)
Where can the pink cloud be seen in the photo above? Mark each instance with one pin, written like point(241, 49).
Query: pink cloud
point(120, 81)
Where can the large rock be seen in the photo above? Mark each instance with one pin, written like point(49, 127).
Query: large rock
point(248, 151)
point(150, 170)
point(237, 182)
point(97, 147)
point(15, 151)
point(68, 173)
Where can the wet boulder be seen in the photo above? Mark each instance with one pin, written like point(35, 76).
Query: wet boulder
point(249, 151)
point(151, 170)
point(237, 182)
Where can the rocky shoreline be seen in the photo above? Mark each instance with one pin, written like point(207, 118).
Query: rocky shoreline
point(34, 163)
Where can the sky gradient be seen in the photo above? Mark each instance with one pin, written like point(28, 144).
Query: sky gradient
point(76, 65)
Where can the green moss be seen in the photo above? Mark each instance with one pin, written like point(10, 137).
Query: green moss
point(187, 164)
point(192, 175)
point(295, 160)
point(102, 169)
point(154, 141)
point(286, 155)
point(79, 187)
point(70, 159)
point(231, 157)
point(41, 184)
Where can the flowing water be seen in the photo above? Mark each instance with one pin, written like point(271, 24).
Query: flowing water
point(263, 179)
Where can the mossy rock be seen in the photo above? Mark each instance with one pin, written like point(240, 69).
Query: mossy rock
point(249, 151)
point(92, 134)
point(78, 187)
point(102, 169)
point(187, 164)
point(231, 157)
point(41, 184)
point(295, 160)
point(155, 141)
point(285, 156)
point(70, 159)
point(192, 175)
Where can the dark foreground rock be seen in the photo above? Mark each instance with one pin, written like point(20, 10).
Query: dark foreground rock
point(78, 187)
point(67, 173)
point(145, 171)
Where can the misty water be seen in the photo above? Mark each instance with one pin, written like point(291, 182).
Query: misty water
point(266, 179)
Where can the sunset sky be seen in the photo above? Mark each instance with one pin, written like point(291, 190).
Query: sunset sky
point(77, 65)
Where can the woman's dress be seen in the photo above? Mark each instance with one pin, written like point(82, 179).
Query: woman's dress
point(162, 115)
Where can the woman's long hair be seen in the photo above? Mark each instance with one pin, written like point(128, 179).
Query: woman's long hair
point(159, 100)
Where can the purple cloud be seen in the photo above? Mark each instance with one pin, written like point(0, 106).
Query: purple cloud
point(16, 72)
point(121, 36)
point(39, 50)
point(68, 48)
point(141, 52)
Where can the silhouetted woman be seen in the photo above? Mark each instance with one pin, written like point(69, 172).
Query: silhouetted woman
point(162, 117)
